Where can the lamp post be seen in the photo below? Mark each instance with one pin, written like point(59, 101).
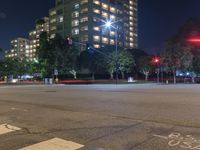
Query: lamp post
point(156, 61)
point(108, 25)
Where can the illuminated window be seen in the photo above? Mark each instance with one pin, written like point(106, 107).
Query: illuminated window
point(96, 38)
point(104, 14)
point(97, 28)
point(75, 31)
point(75, 14)
point(53, 20)
point(84, 2)
point(75, 23)
point(52, 36)
point(131, 44)
point(96, 11)
point(112, 33)
point(84, 10)
point(96, 46)
point(104, 6)
point(84, 19)
point(76, 6)
point(96, 2)
point(105, 40)
point(112, 17)
point(60, 19)
point(112, 42)
point(112, 9)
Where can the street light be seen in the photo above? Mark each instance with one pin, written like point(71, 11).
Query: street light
point(109, 25)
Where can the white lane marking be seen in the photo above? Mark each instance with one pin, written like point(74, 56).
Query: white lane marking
point(6, 128)
point(54, 144)
point(182, 141)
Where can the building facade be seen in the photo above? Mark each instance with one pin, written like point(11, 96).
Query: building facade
point(84, 20)
point(18, 48)
point(42, 25)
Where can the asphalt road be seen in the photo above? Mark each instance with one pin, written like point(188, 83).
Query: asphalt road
point(100, 117)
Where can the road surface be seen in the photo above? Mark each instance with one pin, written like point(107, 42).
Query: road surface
point(100, 117)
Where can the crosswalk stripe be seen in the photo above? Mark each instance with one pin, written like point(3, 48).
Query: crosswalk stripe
point(54, 144)
point(6, 128)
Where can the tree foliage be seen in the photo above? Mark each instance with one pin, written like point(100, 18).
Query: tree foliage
point(124, 62)
point(176, 57)
point(56, 54)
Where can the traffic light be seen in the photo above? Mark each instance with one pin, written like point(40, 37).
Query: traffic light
point(68, 40)
point(156, 60)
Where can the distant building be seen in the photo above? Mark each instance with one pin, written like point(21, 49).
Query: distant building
point(18, 48)
point(42, 25)
point(22, 48)
point(82, 19)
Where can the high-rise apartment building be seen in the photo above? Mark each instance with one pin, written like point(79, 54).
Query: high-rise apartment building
point(18, 48)
point(42, 25)
point(84, 19)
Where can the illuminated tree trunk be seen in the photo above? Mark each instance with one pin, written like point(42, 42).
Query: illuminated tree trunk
point(174, 74)
point(146, 76)
point(93, 76)
point(123, 75)
point(111, 75)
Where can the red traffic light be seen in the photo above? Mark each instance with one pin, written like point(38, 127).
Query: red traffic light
point(156, 60)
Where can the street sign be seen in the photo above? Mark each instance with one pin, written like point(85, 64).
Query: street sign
point(55, 72)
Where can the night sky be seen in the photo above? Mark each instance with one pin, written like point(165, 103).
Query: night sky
point(158, 19)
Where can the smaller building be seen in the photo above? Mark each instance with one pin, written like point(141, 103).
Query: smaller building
point(18, 48)
point(42, 25)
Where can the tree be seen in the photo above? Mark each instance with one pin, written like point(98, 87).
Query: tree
point(196, 63)
point(145, 66)
point(176, 56)
point(45, 55)
point(137, 54)
point(111, 64)
point(56, 54)
point(125, 62)
point(1, 53)
point(93, 61)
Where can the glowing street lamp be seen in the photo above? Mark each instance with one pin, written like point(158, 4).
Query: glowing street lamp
point(108, 24)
